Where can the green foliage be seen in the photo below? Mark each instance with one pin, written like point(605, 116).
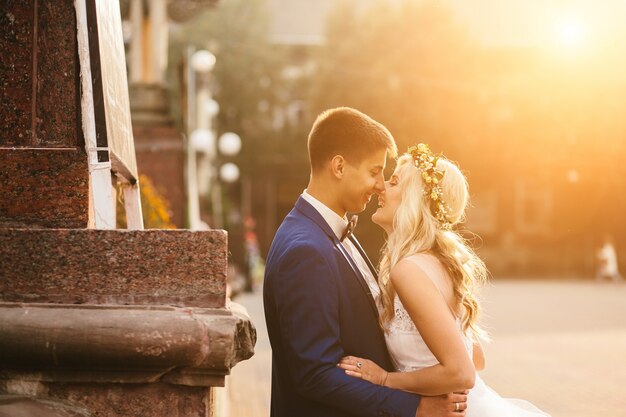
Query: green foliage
point(511, 115)
point(413, 67)
point(504, 112)
point(409, 65)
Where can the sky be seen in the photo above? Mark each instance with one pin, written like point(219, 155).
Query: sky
point(541, 22)
point(549, 23)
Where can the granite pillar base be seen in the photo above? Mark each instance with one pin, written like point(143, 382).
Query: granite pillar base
point(55, 399)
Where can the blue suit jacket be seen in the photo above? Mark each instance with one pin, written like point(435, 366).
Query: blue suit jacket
point(318, 309)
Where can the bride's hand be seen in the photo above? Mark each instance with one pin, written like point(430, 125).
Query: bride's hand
point(364, 369)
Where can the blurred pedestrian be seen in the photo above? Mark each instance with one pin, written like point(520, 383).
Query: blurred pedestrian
point(254, 261)
point(607, 261)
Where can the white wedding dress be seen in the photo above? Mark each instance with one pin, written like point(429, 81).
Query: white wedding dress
point(409, 352)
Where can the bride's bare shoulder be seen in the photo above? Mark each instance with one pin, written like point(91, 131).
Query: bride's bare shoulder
point(423, 261)
point(422, 265)
point(412, 266)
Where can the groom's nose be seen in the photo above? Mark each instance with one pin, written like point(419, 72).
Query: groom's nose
point(379, 187)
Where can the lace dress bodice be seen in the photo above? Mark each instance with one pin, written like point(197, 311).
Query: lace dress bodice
point(407, 347)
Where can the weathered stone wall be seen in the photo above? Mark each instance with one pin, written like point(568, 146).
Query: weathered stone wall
point(39, 92)
point(44, 188)
point(106, 400)
point(87, 266)
point(43, 165)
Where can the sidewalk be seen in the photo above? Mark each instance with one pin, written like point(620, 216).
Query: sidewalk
point(559, 344)
point(248, 386)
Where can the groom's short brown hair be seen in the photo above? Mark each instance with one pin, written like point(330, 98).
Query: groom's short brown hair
point(347, 132)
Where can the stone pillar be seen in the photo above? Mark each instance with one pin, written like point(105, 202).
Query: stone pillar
point(114, 323)
point(43, 167)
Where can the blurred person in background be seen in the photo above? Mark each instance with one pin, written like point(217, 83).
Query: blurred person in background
point(254, 261)
point(428, 281)
point(607, 262)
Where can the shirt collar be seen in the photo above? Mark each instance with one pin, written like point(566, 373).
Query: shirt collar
point(336, 222)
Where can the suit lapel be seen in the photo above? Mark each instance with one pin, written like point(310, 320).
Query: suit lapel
point(309, 211)
point(364, 255)
point(359, 277)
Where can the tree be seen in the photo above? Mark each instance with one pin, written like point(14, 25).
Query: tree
point(409, 65)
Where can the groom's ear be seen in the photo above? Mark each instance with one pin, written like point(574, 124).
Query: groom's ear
point(337, 166)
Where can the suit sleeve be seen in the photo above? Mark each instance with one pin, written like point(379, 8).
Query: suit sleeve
point(307, 304)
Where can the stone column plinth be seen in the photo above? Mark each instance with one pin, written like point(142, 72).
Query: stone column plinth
point(117, 322)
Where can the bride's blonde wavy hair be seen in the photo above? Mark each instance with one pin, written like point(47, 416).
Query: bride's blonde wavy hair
point(417, 230)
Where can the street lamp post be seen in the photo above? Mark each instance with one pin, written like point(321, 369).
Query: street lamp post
point(229, 144)
point(202, 140)
point(199, 138)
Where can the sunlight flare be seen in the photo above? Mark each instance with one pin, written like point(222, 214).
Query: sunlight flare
point(571, 33)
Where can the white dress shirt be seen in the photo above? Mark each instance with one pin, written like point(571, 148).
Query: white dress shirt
point(338, 224)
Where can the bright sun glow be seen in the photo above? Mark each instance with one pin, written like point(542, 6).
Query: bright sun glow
point(571, 33)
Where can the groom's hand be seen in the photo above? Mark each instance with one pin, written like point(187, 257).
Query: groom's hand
point(448, 405)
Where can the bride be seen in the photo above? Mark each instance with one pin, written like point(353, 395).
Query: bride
point(427, 302)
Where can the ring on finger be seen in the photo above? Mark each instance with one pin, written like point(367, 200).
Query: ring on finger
point(457, 407)
point(359, 364)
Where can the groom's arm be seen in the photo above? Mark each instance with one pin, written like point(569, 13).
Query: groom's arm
point(307, 304)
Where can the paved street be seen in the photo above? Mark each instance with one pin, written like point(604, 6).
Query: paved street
point(558, 344)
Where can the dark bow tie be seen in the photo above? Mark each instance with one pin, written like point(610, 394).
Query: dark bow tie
point(349, 228)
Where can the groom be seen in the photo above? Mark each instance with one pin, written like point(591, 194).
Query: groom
point(318, 299)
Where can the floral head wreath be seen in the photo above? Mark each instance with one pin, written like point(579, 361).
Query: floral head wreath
point(426, 163)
